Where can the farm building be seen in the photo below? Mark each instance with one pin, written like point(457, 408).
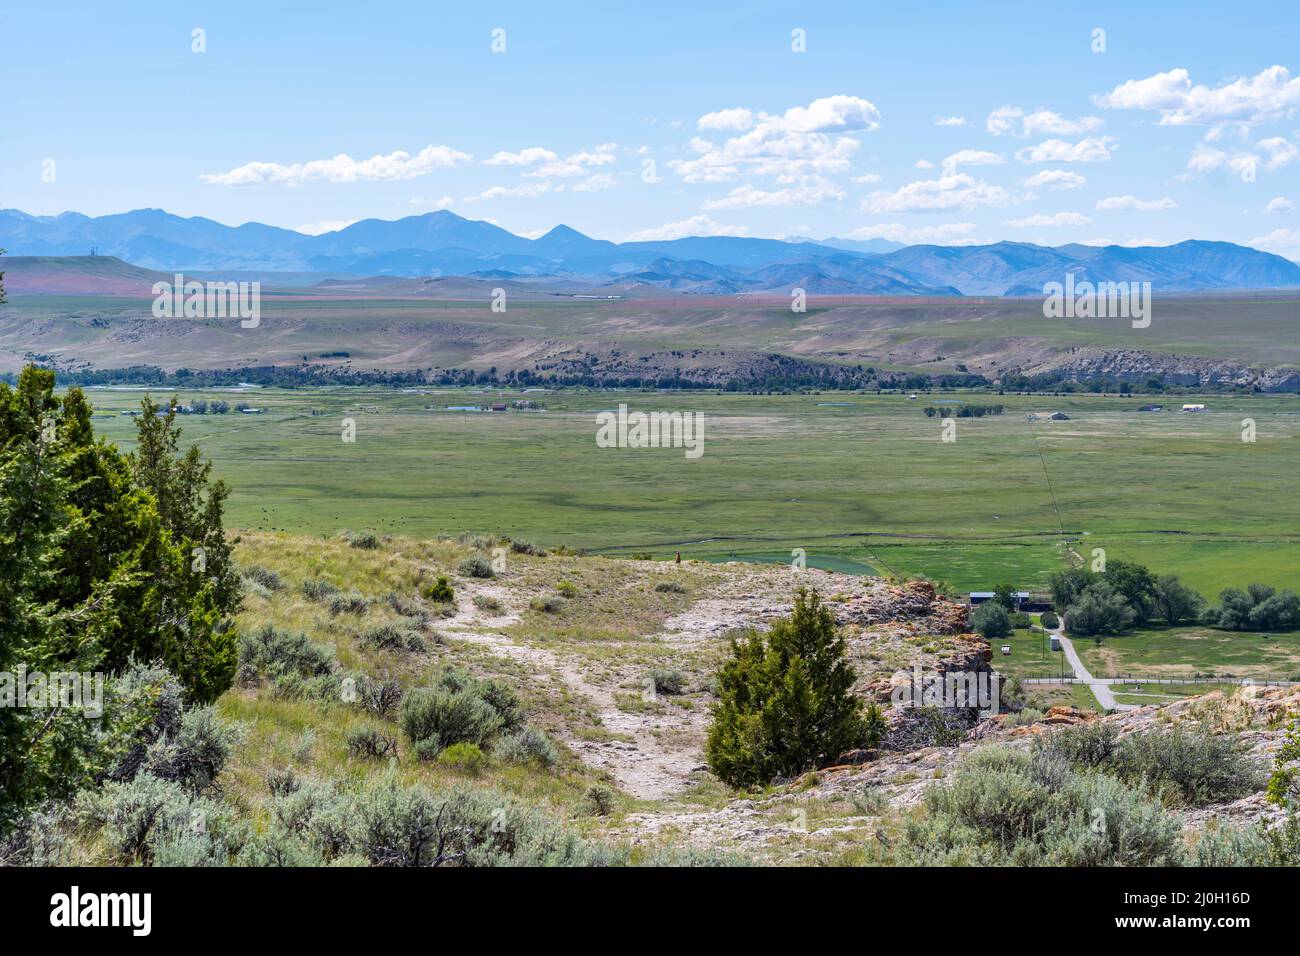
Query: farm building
point(1152, 408)
point(1193, 408)
point(1048, 417)
point(1026, 601)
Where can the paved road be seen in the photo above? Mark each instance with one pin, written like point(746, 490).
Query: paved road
point(1100, 688)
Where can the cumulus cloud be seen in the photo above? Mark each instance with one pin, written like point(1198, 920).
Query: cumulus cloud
point(737, 119)
point(1285, 242)
point(1280, 151)
point(1132, 202)
point(524, 190)
point(867, 178)
point(959, 190)
point(1270, 95)
point(542, 163)
point(971, 157)
point(1056, 219)
point(745, 197)
point(1279, 204)
point(700, 225)
point(1054, 179)
point(341, 169)
point(1013, 121)
point(1091, 149)
point(802, 142)
point(950, 121)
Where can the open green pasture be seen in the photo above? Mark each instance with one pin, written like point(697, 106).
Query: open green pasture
point(865, 483)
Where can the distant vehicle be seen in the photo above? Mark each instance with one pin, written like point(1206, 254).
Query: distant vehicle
point(250, 411)
point(912, 397)
point(1193, 408)
point(1152, 408)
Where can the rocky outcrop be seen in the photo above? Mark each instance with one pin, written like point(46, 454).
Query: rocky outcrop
point(1137, 366)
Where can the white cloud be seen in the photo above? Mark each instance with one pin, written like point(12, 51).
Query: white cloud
point(1280, 152)
point(1088, 150)
point(324, 226)
point(525, 190)
point(700, 225)
point(791, 147)
point(745, 197)
point(1056, 219)
point(897, 232)
point(1266, 97)
point(867, 178)
point(1282, 241)
point(525, 157)
point(1132, 202)
point(1279, 204)
point(923, 164)
point(1013, 121)
point(959, 190)
point(1054, 179)
point(950, 121)
point(341, 169)
point(595, 183)
point(971, 157)
point(737, 119)
point(542, 163)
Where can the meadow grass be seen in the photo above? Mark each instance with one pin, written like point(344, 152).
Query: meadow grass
point(862, 486)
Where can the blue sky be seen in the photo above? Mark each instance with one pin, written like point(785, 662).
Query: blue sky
point(305, 115)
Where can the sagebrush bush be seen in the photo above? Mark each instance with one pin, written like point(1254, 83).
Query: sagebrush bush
point(485, 602)
point(525, 547)
point(477, 567)
point(670, 587)
point(263, 576)
point(551, 604)
point(353, 602)
point(365, 540)
point(1007, 807)
point(369, 743)
point(1189, 768)
point(449, 717)
point(315, 589)
point(528, 744)
point(391, 637)
point(599, 800)
point(1181, 766)
point(271, 653)
point(668, 681)
point(379, 695)
point(147, 817)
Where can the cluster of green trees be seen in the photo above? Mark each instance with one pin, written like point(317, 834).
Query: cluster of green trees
point(965, 411)
point(105, 559)
point(1128, 595)
point(1258, 608)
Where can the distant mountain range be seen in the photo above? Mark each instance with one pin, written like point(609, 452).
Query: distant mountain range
point(440, 244)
